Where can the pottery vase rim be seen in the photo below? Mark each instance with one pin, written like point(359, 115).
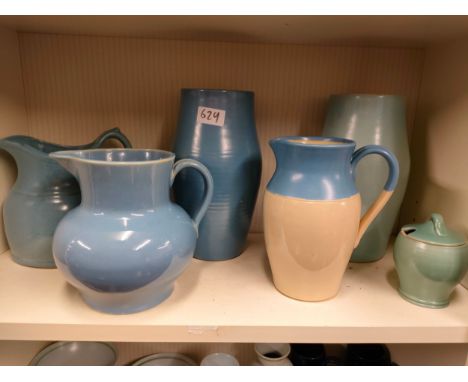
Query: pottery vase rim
point(76, 155)
point(216, 90)
point(366, 95)
point(263, 356)
point(307, 141)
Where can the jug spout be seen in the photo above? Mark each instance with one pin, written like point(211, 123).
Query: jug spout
point(13, 146)
point(66, 160)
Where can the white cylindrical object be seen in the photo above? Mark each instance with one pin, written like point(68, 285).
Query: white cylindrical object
point(273, 354)
point(219, 359)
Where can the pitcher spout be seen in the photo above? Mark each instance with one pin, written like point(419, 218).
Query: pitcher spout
point(66, 160)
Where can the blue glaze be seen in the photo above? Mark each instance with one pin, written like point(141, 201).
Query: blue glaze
point(391, 160)
point(317, 171)
point(308, 171)
point(42, 194)
point(124, 246)
point(232, 154)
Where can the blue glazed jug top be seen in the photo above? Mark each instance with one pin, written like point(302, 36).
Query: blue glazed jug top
point(434, 231)
point(116, 156)
point(38, 148)
point(119, 179)
point(31, 145)
point(302, 141)
point(313, 168)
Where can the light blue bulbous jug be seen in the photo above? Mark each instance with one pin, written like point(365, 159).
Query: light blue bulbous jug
point(217, 127)
point(42, 194)
point(126, 243)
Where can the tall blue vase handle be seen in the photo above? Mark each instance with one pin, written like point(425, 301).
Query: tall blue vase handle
point(114, 133)
point(389, 186)
point(183, 163)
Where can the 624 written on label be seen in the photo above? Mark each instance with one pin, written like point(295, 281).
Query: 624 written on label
point(211, 116)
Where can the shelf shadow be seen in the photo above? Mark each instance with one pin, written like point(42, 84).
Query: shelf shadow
point(392, 279)
point(266, 266)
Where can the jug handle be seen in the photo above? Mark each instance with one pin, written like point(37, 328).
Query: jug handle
point(114, 133)
point(208, 195)
point(389, 186)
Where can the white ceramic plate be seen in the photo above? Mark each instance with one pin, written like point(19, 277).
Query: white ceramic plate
point(76, 354)
point(165, 359)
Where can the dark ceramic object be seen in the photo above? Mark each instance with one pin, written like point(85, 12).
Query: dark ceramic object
point(308, 355)
point(368, 355)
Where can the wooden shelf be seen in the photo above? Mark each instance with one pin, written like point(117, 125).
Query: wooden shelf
point(410, 31)
point(231, 301)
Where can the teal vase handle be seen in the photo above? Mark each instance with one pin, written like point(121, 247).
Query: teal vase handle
point(184, 163)
point(389, 186)
point(114, 133)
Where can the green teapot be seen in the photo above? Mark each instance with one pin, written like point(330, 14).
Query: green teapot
point(430, 260)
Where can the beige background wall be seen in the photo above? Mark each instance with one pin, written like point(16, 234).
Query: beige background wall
point(76, 86)
point(12, 111)
point(439, 173)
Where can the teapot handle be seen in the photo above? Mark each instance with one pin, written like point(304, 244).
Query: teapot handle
point(389, 186)
point(114, 133)
point(183, 163)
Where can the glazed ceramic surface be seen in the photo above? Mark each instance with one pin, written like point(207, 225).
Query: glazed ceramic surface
point(76, 353)
point(379, 120)
point(308, 355)
point(125, 245)
point(430, 261)
point(165, 359)
point(312, 212)
point(42, 194)
point(219, 359)
point(273, 354)
point(368, 355)
point(228, 146)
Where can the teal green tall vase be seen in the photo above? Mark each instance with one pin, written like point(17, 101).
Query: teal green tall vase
point(379, 120)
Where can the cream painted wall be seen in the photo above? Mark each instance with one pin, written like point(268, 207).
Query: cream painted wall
point(77, 86)
point(439, 173)
point(12, 111)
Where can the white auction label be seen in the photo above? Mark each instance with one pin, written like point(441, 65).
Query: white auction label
point(211, 116)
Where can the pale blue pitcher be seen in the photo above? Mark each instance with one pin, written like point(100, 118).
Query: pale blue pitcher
point(42, 194)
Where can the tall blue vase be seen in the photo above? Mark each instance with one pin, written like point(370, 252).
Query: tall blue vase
point(217, 128)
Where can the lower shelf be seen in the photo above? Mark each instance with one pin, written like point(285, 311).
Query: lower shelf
point(20, 353)
point(232, 301)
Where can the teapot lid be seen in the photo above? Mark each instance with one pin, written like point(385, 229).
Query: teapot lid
point(434, 231)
